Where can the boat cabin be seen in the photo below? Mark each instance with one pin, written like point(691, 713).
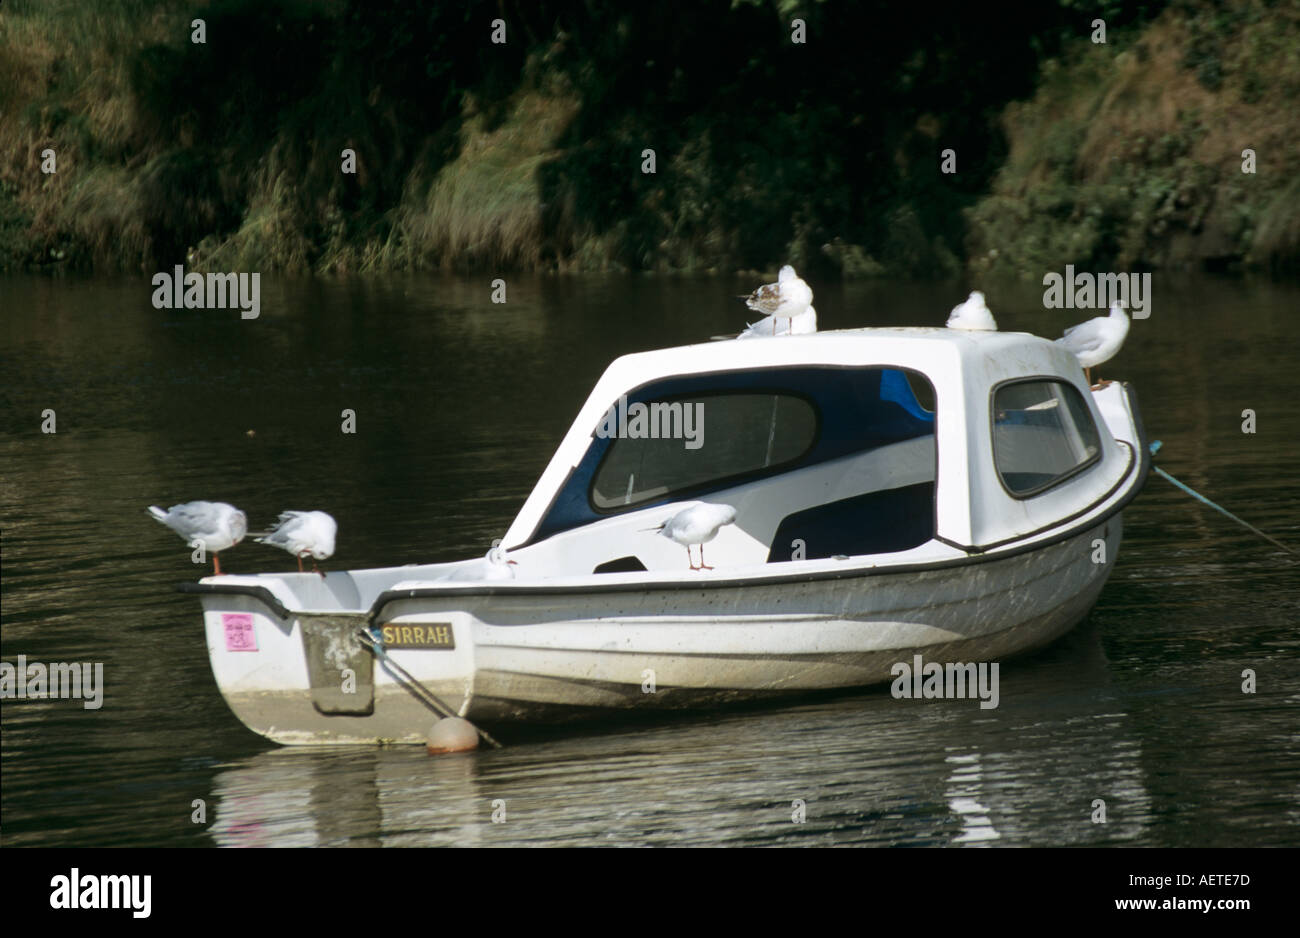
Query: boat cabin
point(896, 443)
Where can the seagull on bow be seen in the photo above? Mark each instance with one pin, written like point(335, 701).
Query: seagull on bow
point(698, 524)
point(972, 315)
point(800, 324)
point(1096, 340)
point(215, 525)
point(303, 534)
point(785, 299)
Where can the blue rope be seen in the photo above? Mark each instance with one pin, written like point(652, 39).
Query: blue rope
point(1155, 447)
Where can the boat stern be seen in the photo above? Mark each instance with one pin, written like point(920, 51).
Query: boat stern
point(304, 676)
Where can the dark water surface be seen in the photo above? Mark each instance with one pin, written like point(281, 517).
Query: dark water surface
point(459, 404)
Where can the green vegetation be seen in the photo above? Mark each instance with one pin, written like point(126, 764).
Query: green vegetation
point(473, 156)
point(1130, 156)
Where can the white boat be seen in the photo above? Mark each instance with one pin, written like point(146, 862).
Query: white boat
point(898, 492)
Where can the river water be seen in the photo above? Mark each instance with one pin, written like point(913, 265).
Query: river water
point(459, 403)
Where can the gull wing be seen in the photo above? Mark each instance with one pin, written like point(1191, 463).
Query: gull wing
point(766, 299)
point(1085, 337)
point(193, 517)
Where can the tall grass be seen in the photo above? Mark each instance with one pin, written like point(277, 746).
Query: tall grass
point(485, 208)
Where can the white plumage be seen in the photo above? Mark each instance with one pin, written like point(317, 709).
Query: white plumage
point(972, 315)
point(217, 525)
point(788, 298)
point(1097, 340)
point(303, 534)
point(697, 524)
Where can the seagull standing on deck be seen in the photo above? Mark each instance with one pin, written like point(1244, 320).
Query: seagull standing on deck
point(698, 524)
point(216, 525)
point(303, 534)
point(1096, 340)
point(972, 315)
point(786, 299)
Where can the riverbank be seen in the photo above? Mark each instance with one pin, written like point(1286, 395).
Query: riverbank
point(1174, 148)
point(534, 154)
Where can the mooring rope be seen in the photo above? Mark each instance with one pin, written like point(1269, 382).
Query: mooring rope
point(1155, 447)
point(371, 639)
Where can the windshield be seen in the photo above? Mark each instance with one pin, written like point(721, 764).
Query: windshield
point(663, 447)
point(685, 436)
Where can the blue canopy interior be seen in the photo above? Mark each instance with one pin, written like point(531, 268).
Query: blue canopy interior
point(859, 409)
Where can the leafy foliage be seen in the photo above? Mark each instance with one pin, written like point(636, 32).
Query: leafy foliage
point(475, 154)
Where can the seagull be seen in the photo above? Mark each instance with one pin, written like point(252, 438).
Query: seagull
point(972, 315)
point(303, 533)
point(1096, 340)
point(801, 324)
point(698, 524)
point(495, 565)
point(215, 525)
point(785, 299)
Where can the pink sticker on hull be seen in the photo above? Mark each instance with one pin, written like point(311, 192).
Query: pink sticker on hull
point(239, 631)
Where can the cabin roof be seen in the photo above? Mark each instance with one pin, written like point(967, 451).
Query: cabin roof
point(857, 346)
point(981, 359)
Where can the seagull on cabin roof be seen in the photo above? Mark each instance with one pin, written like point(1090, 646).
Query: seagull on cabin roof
point(787, 298)
point(303, 534)
point(768, 326)
point(216, 525)
point(972, 315)
point(1096, 340)
point(697, 524)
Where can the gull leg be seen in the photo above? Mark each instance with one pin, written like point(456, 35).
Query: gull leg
point(216, 562)
point(1087, 373)
point(703, 565)
point(300, 563)
point(690, 558)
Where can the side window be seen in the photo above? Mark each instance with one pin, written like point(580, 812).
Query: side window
point(1043, 432)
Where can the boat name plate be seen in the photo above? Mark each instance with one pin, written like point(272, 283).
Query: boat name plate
point(427, 635)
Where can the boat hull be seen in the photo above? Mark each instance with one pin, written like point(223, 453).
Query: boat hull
point(553, 657)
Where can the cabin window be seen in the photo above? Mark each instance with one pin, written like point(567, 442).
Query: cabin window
point(1043, 433)
point(744, 426)
point(683, 444)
